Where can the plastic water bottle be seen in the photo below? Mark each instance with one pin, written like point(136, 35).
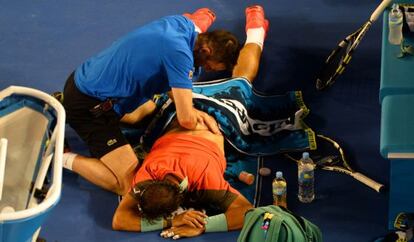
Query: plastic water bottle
point(395, 24)
point(306, 179)
point(279, 187)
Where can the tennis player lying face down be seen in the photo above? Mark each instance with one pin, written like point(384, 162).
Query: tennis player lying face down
point(183, 169)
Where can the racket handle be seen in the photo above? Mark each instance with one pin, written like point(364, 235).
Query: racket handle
point(367, 181)
point(378, 11)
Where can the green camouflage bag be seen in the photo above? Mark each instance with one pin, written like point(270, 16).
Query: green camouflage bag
point(275, 224)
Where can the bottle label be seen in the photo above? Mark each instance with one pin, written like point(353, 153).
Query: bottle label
point(306, 182)
point(279, 191)
point(279, 188)
point(305, 176)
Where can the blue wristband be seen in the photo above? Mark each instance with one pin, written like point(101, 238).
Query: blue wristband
point(157, 224)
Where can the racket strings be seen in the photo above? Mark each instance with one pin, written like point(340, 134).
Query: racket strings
point(332, 160)
point(327, 160)
point(341, 158)
point(332, 69)
point(339, 58)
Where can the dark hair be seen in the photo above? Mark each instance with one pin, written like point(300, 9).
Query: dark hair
point(225, 46)
point(159, 199)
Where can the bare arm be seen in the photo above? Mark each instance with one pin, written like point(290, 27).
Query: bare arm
point(234, 216)
point(235, 212)
point(126, 216)
point(139, 113)
point(187, 115)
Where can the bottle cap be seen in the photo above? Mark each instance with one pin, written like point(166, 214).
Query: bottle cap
point(279, 174)
point(395, 10)
point(394, 6)
point(305, 155)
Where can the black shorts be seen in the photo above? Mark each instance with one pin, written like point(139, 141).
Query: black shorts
point(102, 134)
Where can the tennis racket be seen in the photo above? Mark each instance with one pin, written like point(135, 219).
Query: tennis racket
point(336, 162)
point(337, 61)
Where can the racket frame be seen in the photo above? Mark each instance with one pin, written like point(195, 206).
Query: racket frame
point(346, 169)
point(346, 58)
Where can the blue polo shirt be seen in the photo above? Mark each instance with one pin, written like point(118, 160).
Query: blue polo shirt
point(150, 60)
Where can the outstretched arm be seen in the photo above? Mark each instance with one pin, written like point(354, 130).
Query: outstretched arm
point(235, 212)
point(233, 219)
point(139, 113)
point(126, 217)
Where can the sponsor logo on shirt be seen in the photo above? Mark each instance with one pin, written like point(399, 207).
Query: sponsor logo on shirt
point(190, 74)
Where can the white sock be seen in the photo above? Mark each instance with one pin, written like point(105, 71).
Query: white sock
point(67, 160)
point(256, 36)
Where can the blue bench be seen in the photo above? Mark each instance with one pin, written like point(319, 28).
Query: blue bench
point(397, 124)
point(397, 145)
point(397, 127)
point(396, 73)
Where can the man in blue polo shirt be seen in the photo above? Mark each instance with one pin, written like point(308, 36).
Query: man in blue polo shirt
point(115, 85)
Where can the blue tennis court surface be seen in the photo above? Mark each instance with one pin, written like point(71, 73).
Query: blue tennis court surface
point(43, 41)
